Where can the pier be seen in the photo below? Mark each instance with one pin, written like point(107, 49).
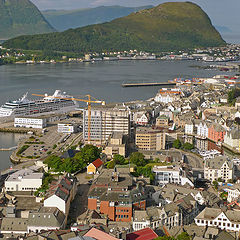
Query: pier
point(8, 149)
point(149, 84)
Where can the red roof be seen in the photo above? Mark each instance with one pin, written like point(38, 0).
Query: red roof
point(97, 163)
point(144, 234)
point(99, 235)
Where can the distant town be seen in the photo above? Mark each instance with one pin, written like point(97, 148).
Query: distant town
point(162, 168)
point(221, 58)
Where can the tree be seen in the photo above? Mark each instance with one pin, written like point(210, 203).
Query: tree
point(177, 144)
point(119, 159)
point(137, 158)
point(188, 146)
point(215, 184)
point(183, 236)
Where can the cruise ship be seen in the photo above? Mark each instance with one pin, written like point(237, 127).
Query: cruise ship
point(57, 103)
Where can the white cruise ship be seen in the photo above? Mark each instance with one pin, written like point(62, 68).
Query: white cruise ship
point(57, 103)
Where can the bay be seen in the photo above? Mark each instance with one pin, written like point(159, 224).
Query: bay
point(100, 79)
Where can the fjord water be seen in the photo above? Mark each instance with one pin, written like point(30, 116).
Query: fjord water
point(100, 79)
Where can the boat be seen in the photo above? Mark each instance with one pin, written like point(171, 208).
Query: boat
point(57, 103)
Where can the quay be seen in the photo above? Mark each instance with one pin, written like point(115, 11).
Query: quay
point(149, 84)
point(8, 149)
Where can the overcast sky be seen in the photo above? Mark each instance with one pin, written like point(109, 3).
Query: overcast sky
point(221, 12)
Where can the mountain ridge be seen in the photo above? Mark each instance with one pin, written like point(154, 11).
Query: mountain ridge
point(21, 17)
point(168, 26)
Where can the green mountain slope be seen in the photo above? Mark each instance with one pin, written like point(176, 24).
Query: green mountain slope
point(63, 19)
point(18, 17)
point(175, 25)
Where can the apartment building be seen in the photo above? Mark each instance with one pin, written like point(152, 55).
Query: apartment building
point(162, 121)
point(104, 122)
point(116, 195)
point(228, 220)
point(150, 139)
point(216, 132)
point(219, 167)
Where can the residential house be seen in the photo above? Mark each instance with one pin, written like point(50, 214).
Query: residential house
point(47, 218)
point(228, 220)
point(219, 167)
point(233, 191)
point(61, 193)
point(146, 234)
point(232, 138)
point(95, 166)
point(16, 226)
point(162, 121)
point(189, 127)
point(202, 129)
point(96, 234)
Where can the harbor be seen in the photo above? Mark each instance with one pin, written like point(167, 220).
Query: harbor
point(150, 84)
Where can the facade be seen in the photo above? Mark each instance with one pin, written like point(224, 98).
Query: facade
point(233, 192)
point(24, 180)
point(150, 139)
point(162, 121)
point(30, 122)
point(170, 174)
point(218, 167)
point(215, 217)
point(232, 138)
point(104, 122)
point(67, 128)
point(202, 130)
point(61, 193)
point(115, 195)
point(216, 132)
point(140, 119)
point(189, 128)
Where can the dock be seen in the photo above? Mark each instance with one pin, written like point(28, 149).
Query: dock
point(149, 84)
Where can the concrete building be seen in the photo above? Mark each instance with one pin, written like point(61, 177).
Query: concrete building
point(233, 191)
point(171, 174)
point(116, 195)
point(218, 167)
point(67, 128)
point(167, 95)
point(104, 122)
point(24, 180)
point(215, 217)
point(189, 128)
point(216, 132)
point(202, 129)
point(116, 145)
point(162, 121)
point(30, 122)
point(150, 139)
point(232, 138)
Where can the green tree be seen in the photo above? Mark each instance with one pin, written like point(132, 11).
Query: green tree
point(119, 159)
point(177, 144)
point(138, 159)
point(188, 146)
point(215, 184)
point(183, 236)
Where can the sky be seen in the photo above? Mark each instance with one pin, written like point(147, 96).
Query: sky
point(222, 12)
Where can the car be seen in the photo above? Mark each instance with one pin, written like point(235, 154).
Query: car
point(90, 182)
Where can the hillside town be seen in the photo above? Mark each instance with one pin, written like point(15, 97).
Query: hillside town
point(153, 169)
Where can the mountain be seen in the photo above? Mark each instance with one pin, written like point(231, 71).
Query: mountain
point(169, 26)
point(18, 17)
point(63, 19)
point(223, 29)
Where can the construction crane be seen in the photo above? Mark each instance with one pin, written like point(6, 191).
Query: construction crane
point(89, 101)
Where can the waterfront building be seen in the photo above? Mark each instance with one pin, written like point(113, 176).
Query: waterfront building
point(232, 138)
point(202, 129)
point(104, 122)
point(228, 220)
point(219, 167)
point(167, 95)
point(30, 122)
point(150, 139)
point(24, 180)
point(67, 128)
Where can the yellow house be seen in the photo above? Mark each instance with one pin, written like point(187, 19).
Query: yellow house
point(94, 166)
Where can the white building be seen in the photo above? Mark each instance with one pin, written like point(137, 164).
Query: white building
point(232, 138)
point(170, 174)
point(24, 180)
point(215, 217)
point(202, 130)
point(67, 128)
point(189, 128)
point(233, 192)
point(30, 122)
point(218, 167)
point(61, 194)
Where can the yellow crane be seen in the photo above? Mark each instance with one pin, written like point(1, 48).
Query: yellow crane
point(89, 101)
